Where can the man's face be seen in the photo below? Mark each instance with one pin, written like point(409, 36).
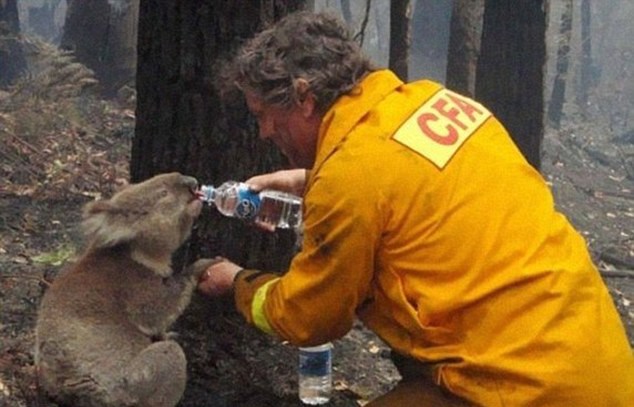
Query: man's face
point(294, 130)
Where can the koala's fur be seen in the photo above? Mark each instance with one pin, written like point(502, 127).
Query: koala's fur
point(101, 328)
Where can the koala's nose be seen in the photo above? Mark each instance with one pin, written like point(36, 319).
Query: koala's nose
point(190, 182)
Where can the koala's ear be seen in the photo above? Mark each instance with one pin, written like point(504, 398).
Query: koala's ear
point(104, 224)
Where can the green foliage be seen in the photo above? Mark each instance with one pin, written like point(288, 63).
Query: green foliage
point(56, 257)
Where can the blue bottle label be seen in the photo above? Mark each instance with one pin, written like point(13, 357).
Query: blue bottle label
point(315, 363)
point(248, 204)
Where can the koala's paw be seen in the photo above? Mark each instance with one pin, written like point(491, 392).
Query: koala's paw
point(199, 267)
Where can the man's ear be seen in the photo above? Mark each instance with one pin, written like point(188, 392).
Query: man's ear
point(304, 96)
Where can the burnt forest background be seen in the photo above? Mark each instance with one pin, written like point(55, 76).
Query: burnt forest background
point(96, 93)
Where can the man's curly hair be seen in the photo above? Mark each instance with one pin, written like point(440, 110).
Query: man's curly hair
point(315, 47)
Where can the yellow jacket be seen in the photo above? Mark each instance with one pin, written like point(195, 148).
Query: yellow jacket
point(424, 220)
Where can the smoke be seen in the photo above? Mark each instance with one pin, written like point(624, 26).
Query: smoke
point(119, 6)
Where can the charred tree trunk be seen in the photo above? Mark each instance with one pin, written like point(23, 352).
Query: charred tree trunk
point(587, 81)
point(102, 35)
point(464, 45)
point(346, 12)
point(382, 45)
point(85, 31)
point(184, 125)
point(400, 16)
point(510, 70)
point(40, 20)
point(12, 61)
point(430, 39)
point(558, 96)
point(122, 35)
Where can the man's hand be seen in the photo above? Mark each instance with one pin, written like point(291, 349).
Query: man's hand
point(218, 278)
point(291, 181)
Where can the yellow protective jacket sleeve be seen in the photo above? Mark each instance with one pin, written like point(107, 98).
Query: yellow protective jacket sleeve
point(424, 220)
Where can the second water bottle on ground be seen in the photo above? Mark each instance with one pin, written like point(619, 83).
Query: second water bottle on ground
point(315, 374)
point(235, 199)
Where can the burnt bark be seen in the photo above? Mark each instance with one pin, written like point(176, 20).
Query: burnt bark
point(558, 96)
point(40, 20)
point(184, 125)
point(430, 39)
point(12, 60)
point(400, 16)
point(586, 80)
point(103, 37)
point(464, 45)
point(346, 12)
point(510, 70)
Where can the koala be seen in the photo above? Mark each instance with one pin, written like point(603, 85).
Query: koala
point(101, 331)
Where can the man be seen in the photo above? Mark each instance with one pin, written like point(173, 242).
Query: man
point(423, 220)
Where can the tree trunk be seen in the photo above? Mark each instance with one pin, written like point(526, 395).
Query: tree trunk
point(40, 20)
point(510, 70)
point(382, 45)
point(122, 36)
point(430, 39)
point(184, 125)
point(102, 35)
point(400, 16)
point(586, 79)
point(12, 61)
point(558, 96)
point(464, 45)
point(346, 12)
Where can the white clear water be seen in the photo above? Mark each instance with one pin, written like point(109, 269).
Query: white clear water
point(280, 209)
point(274, 208)
point(315, 390)
point(315, 374)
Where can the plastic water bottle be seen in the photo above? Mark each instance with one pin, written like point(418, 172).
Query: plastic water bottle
point(274, 208)
point(315, 374)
